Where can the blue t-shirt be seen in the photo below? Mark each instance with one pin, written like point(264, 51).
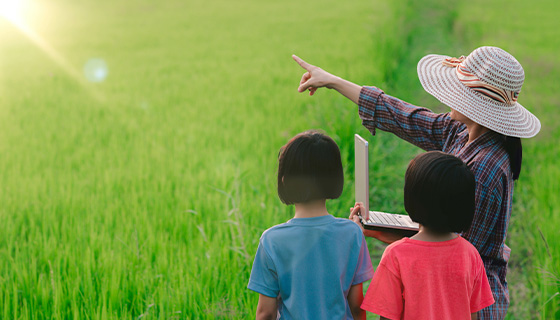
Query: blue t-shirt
point(310, 265)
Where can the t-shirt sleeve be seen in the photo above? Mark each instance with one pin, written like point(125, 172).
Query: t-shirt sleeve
point(264, 278)
point(385, 293)
point(364, 269)
point(481, 296)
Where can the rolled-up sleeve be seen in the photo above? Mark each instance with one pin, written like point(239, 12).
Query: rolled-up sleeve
point(419, 126)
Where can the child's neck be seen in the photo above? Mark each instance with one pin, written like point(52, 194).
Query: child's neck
point(425, 234)
point(315, 208)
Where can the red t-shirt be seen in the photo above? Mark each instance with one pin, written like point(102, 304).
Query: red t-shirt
point(429, 280)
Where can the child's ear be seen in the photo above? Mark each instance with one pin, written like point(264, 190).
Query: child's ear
point(282, 179)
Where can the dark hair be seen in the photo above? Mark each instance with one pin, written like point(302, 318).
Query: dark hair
point(515, 153)
point(309, 168)
point(439, 192)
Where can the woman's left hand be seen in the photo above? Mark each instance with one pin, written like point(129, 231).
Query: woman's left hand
point(359, 211)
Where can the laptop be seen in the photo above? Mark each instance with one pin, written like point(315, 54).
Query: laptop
point(382, 221)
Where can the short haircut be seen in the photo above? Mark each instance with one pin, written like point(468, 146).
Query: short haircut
point(309, 168)
point(439, 192)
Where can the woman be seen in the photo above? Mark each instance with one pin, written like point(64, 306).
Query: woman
point(482, 129)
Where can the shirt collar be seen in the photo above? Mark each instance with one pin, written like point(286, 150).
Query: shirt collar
point(485, 140)
point(312, 221)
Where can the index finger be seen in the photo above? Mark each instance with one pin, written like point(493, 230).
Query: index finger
point(302, 63)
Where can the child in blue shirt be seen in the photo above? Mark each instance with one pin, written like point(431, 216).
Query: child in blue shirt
point(313, 266)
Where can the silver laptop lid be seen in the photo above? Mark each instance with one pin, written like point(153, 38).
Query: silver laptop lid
point(361, 170)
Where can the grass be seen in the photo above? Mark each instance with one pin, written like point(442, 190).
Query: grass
point(144, 196)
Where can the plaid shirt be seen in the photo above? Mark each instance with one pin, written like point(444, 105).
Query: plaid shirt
point(485, 156)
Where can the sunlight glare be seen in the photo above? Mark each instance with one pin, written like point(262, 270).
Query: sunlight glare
point(12, 10)
point(17, 12)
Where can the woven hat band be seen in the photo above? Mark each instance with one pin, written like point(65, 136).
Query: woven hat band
point(493, 92)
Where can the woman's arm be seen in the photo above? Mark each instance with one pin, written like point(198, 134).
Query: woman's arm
point(355, 298)
point(419, 126)
point(267, 308)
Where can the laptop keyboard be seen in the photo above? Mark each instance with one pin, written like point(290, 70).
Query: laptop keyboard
point(391, 219)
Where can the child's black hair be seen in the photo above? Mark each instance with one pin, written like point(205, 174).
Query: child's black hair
point(439, 192)
point(309, 168)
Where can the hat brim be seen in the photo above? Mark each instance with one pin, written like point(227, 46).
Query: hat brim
point(442, 82)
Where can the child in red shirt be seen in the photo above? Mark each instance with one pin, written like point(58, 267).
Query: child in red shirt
point(436, 274)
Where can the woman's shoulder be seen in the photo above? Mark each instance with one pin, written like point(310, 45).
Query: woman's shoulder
point(491, 164)
point(491, 169)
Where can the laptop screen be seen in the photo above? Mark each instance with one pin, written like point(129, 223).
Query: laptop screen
point(361, 170)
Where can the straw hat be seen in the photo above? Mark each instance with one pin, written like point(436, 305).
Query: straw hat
point(483, 87)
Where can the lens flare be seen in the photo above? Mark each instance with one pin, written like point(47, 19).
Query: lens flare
point(96, 70)
point(17, 12)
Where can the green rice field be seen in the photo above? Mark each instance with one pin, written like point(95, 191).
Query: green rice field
point(139, 190)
